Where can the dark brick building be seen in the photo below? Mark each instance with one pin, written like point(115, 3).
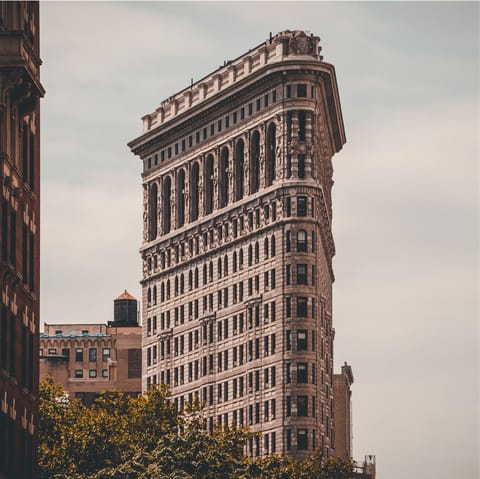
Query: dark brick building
point(20, 91)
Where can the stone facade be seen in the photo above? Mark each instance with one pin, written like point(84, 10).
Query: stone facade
point(343, 412)
point(20, 91)
point(237, 251)
point(87, 359)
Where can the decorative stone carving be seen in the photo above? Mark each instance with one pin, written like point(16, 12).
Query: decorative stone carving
point(300, 44)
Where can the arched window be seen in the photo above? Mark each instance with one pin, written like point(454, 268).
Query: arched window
point(302, 240)
point(176, 286)
point(257, 252)
point(195, 282)
point(209, 184)
point(149, 297)
point(270, 153)
point(225, 265)
point(152, 212)
point(205, 274)
point(254, 162)
point(168, 289)
point(239, 161)
point(265, 248)
point(219, 267)
point(250, 255)
point(224, 167)
point(194, 191)
point(240, 258)
point(272, 245)
point(162, 292)
point(180, 200)
point(167, 204)
point(182, 284)
point(190, 280)
point(234, 262)
point(162, 260)
point(210, 271)
point(154, 295)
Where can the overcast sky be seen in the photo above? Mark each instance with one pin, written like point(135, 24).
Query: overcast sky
point(405, 195)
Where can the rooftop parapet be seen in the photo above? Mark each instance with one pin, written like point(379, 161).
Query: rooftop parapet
point(287, 45)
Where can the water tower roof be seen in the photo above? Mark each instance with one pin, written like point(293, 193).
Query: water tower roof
point(126, 295)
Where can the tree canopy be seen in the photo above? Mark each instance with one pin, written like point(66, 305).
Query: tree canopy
point(123, 437)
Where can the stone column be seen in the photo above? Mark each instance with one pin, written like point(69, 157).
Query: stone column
point(173, 201)
point(201, 186)
point(246, 164)
point(308, 152)
point(280, 163)
point(231, 169)
point(146, 225)
point(216, 167)
point(293, 150)
point(161, 230)
point(186, 195)
point(262, 157)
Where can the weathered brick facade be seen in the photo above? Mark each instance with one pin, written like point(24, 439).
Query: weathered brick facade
point(20, 90)
point(237, 251)
point(87, 359)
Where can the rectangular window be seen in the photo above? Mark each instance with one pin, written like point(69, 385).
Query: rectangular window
point(302, 405)
point(288, 307)
point(288, 274)
point(302, 373)
point(79, 373)
point(301, 274)
point(79, 354)
point(288, 373)
point(105, 373)
point(258, 104)
point(288, 406)
point(302, 339)
point(274, 96)
point(301, 206)
point(250, 108)
point(302, 439)
point(301, 91)
point(105, 354)
point(302, 307)
point(289, 91)
point(92, 355)
point(301, 166)
point(92, 373)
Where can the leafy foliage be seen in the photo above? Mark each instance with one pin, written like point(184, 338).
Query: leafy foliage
point(122, 437)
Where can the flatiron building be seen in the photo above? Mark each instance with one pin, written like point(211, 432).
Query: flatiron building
point(237, 244)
